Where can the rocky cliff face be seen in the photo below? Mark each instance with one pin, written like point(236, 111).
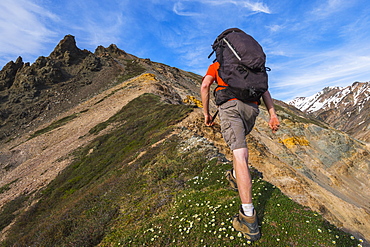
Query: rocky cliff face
point(344, 108)
point(33, 94)
point(311, 162)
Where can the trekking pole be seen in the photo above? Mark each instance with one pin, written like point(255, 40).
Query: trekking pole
point(214, 116)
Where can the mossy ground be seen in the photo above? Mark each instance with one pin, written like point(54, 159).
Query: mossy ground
point(127, 188)
point(201, 215)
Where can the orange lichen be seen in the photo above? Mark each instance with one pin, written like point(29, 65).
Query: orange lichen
point(294, 141)
point(191, 100)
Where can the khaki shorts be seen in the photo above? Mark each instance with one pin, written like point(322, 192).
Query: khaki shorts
point(237, 120)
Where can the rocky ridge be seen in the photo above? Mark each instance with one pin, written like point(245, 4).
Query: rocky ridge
point(344, 108)
point(311, 162)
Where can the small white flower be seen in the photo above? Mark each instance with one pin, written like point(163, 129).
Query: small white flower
point(319, 230)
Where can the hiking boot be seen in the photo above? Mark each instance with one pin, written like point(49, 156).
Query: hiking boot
point(247, 225)
point(232, 180)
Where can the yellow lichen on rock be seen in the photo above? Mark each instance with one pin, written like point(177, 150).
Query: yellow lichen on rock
point(148, 76)
point(294, 141)
point(191, 100)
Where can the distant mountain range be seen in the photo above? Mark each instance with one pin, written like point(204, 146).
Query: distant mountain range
point(344, 108)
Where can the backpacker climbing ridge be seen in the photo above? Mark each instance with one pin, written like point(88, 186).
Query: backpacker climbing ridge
point(242, 66)
point(240, 74)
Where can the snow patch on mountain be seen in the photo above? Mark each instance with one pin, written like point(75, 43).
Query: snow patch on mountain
point(344, 108)
point(333, 97)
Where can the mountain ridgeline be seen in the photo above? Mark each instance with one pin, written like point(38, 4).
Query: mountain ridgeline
point(344, 108)
point(108, 149)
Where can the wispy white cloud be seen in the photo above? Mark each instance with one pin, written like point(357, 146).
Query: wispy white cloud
point(310, 73)
point(330, 7)
point(188, 7)
point(99, 23)
point(23, 28)
point(275, 27)
point(255, 6)
point(183, 8)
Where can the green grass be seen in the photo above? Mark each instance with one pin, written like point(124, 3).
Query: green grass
point(7, 186)
point(201, 215)
point(9, 211)
point(121, 190)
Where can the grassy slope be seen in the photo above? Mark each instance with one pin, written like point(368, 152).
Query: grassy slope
point(170, 195)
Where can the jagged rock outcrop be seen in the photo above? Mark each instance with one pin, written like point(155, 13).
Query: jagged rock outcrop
point(112, 50)
point(68, 52)
point(9, 72)
point(33, 94)
point(344, 108)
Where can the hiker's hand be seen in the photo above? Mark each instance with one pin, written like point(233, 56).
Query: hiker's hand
point(208, 120)
point(274, 123)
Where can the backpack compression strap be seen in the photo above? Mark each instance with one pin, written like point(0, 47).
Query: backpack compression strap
point(232, 49)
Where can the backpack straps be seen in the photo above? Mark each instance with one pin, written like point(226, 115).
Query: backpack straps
point(210, 55)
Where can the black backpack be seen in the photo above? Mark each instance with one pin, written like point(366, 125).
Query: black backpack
point(242, 66)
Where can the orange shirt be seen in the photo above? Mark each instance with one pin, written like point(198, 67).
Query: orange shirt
point(213, 71)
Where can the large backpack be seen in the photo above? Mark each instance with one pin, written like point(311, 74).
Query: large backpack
point(242, 66)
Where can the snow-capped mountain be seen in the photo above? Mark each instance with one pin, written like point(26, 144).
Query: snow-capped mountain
point(345, 108)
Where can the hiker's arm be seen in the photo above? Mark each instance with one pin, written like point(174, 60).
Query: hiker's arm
point(274, 121)
point(204, 91)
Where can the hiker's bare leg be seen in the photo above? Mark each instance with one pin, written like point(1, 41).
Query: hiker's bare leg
point(243, 176)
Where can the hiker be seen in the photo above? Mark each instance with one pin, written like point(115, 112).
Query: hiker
point(237, 118)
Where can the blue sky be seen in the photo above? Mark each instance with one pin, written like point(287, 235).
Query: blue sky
point(309, 44)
